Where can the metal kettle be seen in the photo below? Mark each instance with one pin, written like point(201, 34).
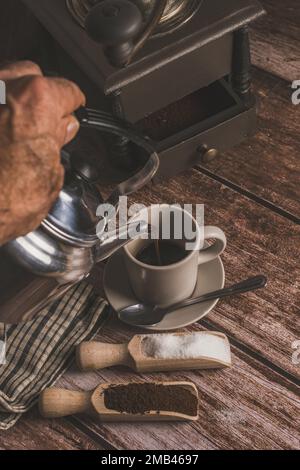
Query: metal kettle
point(66, 246)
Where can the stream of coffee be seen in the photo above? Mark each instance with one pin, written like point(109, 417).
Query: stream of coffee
point(157, 249)
point(161, 253)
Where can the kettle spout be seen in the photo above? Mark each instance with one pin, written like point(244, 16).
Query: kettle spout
point(112, 242)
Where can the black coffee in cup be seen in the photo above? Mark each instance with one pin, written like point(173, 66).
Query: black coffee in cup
point(161, 253)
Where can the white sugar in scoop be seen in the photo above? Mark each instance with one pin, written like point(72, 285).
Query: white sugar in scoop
point(159, 352)
point(187, 346)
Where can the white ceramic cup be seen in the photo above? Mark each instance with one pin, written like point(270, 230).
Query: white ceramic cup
point(167, 285)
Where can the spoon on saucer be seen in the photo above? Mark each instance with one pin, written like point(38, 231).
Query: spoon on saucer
point(150, 315)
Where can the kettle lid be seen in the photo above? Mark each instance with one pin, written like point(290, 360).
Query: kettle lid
point(73, 218)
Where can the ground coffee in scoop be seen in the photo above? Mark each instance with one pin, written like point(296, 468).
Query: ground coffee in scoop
point(142, 398)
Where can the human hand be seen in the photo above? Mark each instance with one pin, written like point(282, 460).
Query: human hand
point(35, 124)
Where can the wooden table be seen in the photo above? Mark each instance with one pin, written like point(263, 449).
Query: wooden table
point(253, 193)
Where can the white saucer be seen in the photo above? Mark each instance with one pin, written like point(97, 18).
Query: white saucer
point(211, 276)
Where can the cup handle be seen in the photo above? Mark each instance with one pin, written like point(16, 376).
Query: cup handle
point(215, 250)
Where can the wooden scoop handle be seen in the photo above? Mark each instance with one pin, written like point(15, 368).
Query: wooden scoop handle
point(94, 356)
point(56, 403)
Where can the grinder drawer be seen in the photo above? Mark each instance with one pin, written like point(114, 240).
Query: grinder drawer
point(213, 118)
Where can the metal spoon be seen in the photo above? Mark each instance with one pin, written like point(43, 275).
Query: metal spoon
point(150, 315)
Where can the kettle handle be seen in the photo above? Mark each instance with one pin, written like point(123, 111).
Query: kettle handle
point(105, 122)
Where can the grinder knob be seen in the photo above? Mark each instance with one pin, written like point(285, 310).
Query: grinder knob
point(115, 24)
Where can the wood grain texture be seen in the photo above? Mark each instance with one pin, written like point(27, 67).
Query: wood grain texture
point(246, 407)
point(259, 242)
point(268, 165)
point(34, 433)
point(276, 37)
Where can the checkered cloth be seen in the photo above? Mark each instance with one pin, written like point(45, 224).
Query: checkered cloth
point(39, 352)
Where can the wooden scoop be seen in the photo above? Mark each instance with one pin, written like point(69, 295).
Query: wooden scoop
point(95, 355)
point(56, 403)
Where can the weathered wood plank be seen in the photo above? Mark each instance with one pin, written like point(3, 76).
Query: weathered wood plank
point(267, 165)
point(275, 39)
point(246, 407)
point(34, 433)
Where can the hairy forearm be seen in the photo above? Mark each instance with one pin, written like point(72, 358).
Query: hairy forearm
point(28, 186)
